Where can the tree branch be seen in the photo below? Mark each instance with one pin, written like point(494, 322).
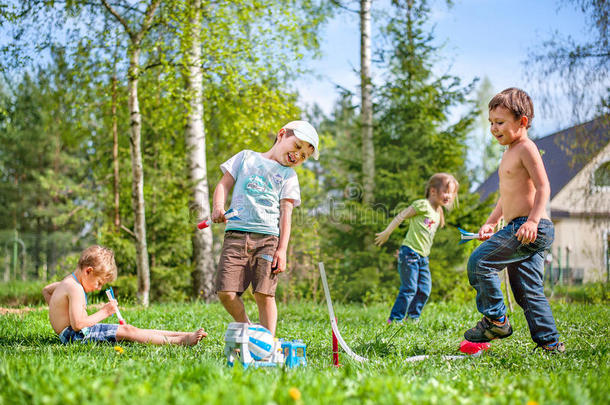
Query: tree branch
point(336, 3)
point(118, 17)
point(150, 12)
point(129, 231)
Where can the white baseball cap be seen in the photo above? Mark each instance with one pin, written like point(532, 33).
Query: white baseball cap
point(305, 132)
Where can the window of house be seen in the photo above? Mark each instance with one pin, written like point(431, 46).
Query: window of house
point(601, 177)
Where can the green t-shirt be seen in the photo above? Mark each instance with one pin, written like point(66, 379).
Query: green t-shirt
point(422, 227)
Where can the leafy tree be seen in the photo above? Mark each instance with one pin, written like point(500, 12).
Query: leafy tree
point(45, 179)
point(487, 152)
point(414, 138)
point(136, 30)
point(576, 70)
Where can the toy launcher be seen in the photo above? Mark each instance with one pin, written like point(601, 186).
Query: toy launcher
point(289, 354)
point(466, 236)
point(231, 214)
point(110, 295)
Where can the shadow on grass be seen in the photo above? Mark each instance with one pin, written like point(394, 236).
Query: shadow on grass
point(382, 345)
point(29, 340)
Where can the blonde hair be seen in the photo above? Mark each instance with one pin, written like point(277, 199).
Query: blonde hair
point(439, 182)
point(101, 260)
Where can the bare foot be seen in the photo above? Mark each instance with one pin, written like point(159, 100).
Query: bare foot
point(191, 339)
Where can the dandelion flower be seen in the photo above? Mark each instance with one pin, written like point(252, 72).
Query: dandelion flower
point(530, 402)
point(118, 349)
point(294, 393)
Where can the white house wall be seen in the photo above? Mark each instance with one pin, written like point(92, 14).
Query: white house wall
point(579, 196)
point(586, 224)
point(585, 240)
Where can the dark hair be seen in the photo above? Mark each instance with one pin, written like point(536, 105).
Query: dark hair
point(516, 101)
point(289, 133)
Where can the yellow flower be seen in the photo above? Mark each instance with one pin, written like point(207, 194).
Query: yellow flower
point(530, 402)
point(294, 393)
point(118, 349)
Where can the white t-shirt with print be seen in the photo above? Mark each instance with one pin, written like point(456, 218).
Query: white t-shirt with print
point(260, 184)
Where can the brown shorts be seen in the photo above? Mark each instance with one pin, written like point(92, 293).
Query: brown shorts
point(246, 259)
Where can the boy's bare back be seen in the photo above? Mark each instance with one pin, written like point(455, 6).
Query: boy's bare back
point(59, 304)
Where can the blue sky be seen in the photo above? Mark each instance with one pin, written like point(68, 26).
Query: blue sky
point(481, 38)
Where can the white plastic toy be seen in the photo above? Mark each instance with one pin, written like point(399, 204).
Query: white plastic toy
point(110, 295)
point(229, 215)
point(252, 345)
point(466, 236)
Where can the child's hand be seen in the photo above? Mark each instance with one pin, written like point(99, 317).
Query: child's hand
point(381, 238)
point(528, 232)
point(110, 307)
point(218, 215)
point(279, 261)
point(485, 232)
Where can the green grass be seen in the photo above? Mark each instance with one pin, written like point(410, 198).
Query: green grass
point(35, 368)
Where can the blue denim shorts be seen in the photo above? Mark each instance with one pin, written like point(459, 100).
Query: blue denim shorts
point(100, 332)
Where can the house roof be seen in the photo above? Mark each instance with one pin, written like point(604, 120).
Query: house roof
point(564, 154)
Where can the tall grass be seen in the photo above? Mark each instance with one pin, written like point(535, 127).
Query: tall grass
point(36, 368)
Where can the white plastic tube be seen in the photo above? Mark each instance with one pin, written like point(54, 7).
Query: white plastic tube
point(333, 324)
point(333, 321)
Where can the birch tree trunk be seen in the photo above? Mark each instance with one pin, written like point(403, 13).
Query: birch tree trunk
point(137, 171)
point(368, 150)
point(203, 260)
point(115, 155)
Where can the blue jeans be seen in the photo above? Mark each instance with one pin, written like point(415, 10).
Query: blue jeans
point(525, 265)
point(415, 284)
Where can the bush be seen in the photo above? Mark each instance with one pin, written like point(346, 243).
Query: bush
point(591, 293)
point(22, 293)
point(126, 288)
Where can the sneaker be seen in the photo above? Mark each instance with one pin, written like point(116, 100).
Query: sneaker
point(553, 348)
point(394, 322)
point(487, 330)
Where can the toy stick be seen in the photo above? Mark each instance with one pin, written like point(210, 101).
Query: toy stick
point(335, 350)
point(110, 295)
point(231, 214)
point(333, 319)
point(337, 334)
point(466, 236)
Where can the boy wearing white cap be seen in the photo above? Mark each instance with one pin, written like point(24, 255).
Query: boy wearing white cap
point(266, 190)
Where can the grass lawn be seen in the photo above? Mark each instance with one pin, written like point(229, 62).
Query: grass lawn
point(36, 369)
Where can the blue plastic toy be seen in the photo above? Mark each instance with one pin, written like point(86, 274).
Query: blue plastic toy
point(295, 353)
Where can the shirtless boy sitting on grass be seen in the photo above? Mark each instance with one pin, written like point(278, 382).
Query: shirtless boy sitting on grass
point(67, 301)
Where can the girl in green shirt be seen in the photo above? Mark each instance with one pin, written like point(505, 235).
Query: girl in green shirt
point(413, 266)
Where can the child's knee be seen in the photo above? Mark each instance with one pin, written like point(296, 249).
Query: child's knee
point(263, 299)
point(225, 296)
point(125, 330)
point(472, 267)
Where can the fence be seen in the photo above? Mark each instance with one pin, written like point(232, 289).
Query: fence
point(35, 256)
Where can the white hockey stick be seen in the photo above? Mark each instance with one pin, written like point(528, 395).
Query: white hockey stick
point(333, 322)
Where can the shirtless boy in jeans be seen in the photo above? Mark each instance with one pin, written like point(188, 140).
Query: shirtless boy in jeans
point(520, 245)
